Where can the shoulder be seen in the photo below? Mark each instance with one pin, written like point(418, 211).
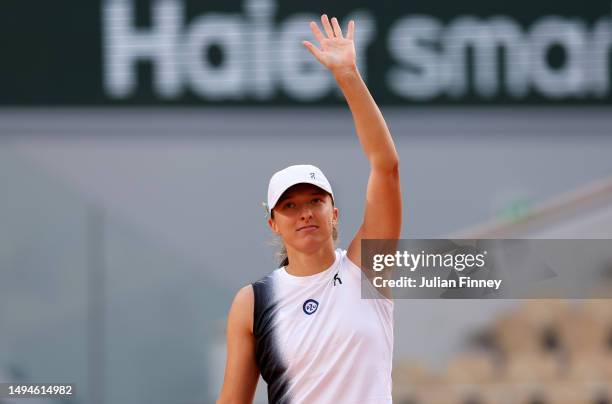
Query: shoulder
point(345, 260)
point(262, 289)
point(346, 265)
point(241, 312)
point(368, 290)
point(244, 297)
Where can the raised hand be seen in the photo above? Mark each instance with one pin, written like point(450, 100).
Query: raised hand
point(336, 52)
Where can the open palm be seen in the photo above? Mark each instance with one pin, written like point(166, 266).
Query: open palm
point(336, 52)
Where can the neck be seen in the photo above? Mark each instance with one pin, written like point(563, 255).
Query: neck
point(305, 264)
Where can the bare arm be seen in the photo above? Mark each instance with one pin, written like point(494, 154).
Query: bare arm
point(383, 207)
point(241, 372)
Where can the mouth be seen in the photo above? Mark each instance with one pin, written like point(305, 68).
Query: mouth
point(309, 227)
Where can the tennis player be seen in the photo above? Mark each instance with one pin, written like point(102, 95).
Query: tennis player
point(305, 327)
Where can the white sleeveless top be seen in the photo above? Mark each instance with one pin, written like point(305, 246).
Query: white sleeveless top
point(318, 341)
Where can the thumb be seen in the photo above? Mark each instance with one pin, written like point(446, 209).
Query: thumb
point(316, 52)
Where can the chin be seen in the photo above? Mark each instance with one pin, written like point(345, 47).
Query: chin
point(310, 244)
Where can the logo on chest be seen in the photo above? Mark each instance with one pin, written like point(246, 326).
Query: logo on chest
point(337, 279)
point(310, 306)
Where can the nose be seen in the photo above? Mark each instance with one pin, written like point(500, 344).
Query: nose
point(306, 211)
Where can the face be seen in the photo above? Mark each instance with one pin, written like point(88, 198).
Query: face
point(304, 217)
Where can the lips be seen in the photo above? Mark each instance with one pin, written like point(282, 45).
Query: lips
point(309, 227)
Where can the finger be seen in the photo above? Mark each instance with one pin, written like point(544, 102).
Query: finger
point(314, 50)
point(351, 30)
point(336, 26)
point(327, 26)
point(316, 31)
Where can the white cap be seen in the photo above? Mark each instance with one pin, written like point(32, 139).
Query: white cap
point(292, 175)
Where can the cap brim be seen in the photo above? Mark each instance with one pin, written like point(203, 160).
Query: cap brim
point(273, 203)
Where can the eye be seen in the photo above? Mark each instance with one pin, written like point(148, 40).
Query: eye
point(317, 200)
point(289, 205)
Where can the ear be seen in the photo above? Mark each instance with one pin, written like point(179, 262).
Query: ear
point(335, 216)
point(273, 226)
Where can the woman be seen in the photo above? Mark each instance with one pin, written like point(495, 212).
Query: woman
point(305, 327)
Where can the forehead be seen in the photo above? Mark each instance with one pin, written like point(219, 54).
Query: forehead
point(302, 190)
